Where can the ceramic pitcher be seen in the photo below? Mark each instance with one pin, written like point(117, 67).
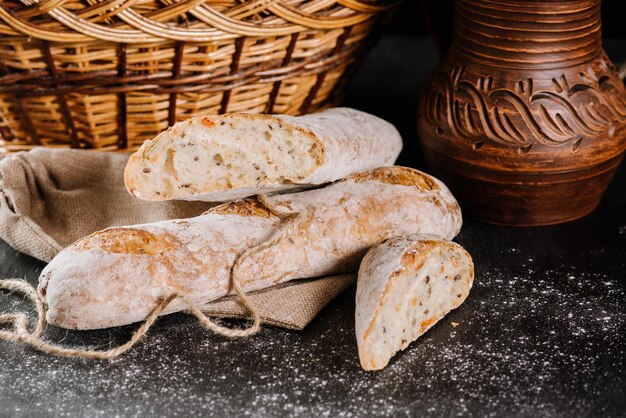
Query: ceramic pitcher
point(525, 116)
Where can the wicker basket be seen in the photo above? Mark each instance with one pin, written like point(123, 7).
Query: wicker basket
point(108, 74)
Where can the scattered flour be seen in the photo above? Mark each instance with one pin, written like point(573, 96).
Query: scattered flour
point(537, 342)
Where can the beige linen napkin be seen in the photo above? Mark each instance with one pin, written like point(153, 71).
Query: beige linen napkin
point(50, 198)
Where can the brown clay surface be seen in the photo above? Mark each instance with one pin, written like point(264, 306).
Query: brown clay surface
point(525, 118)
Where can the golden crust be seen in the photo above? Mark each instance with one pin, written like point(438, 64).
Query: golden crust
point(204, 122)
point(403, 176)
point(246, 207)
point(415, 255)
point(128, 241)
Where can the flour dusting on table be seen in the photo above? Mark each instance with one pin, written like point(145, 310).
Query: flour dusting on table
point(517, 336)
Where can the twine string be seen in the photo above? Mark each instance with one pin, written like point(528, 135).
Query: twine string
point(20, 323)
point(20, 333)
point(277, 211)
point(20, 320)
point(288, 218)
point(211, 325)
point(33, 340)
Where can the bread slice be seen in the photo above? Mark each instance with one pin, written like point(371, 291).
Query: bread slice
point(405, 286)
point(117, 276)
point(232, 156)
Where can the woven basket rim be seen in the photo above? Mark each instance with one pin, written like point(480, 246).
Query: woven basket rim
point(137, 28)
point(108, 74)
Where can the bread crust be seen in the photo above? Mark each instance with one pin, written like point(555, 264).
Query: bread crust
point(116, 276)
point(336, 225)
point(341, 141)
point(405, 286)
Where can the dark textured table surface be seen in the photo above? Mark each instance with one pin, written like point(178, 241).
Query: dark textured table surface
point(543, 331)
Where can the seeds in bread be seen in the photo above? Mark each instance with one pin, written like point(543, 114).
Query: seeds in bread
point(232, 156)
point(405, 286)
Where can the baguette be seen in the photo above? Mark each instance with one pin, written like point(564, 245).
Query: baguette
point(117, 276)
point(405, 286)
point(222, 158)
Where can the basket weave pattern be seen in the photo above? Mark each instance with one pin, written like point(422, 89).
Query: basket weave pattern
point(108, 74)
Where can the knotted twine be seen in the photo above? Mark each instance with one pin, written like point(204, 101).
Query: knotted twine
point(49, 198)
point(268, 306)
point(21, 334)
point(19, 321)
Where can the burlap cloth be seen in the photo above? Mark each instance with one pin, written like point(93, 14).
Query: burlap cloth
point(50, 198)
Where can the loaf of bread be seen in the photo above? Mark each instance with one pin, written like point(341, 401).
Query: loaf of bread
point(117, 276)
point(232, 156)
point(405, 285)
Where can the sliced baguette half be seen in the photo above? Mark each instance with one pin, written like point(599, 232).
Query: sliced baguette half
point(232, 156)
point(405, 286)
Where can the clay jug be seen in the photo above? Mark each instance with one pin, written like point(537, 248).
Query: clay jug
point(525, 116)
